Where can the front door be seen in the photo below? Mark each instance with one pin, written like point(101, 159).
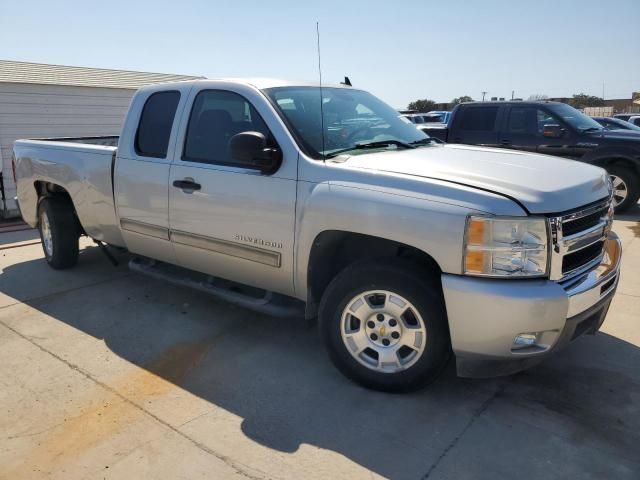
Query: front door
point(228, 220)
point(524, 130)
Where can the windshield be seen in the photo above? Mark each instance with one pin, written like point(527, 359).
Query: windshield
point(616, 123)
point(576, 119)
point(351, 118)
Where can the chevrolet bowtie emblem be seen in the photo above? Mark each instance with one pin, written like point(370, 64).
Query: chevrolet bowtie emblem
point(383, 330)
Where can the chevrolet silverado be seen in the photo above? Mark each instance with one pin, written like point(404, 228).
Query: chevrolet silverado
point(293, 198)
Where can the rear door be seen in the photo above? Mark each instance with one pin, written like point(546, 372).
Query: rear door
point(142, 170)
point(235, 222)
point(476, 125)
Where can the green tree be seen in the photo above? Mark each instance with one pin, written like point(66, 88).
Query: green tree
point(422, 105)
point(582, 100)
point(462, 99)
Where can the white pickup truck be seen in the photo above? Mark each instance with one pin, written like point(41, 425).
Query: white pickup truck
point(408, 251)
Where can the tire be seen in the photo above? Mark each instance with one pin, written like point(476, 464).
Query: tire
point(625, 183)
point(423, 325)
point(58, 232)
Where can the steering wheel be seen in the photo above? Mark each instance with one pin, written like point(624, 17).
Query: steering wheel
point(352, 135)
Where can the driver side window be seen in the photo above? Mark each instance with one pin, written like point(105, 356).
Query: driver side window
point(216, 116)
point(545, 118)
point(529, 121)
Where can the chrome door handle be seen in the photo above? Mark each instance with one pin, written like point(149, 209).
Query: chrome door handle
point(187, 185)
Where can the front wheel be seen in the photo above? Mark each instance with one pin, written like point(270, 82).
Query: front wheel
point(385, 326)
point(626, 190)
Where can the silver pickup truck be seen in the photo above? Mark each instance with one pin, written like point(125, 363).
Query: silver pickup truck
point(287, 195)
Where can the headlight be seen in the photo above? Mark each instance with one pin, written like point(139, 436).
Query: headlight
point(505, 247)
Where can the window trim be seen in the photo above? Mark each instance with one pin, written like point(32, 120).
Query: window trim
point(184, 158)
point(173, 121)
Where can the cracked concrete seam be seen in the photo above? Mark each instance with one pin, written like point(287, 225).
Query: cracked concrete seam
point(479, 411)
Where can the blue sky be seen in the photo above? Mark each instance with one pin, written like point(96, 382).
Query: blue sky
point(399, 50)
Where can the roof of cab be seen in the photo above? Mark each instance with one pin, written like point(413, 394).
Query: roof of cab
point(513, 102)
point(259, 83)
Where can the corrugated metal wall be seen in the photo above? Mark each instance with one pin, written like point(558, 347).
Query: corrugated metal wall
point(32, 111)
point(44, 74)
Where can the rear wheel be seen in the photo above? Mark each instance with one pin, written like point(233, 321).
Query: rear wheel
point(385, 325)
point(626, 190)
point(58, 233)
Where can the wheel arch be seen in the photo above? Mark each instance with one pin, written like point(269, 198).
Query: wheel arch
point(622, 161)
point(45, 189)
point(334, 250)
point(624, 157)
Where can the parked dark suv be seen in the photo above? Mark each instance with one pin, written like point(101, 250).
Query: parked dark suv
point(551, 128)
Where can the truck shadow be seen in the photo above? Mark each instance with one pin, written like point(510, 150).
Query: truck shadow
point(274, 375)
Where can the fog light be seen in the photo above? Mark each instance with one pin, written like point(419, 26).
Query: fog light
point(530, 343)
point(525, 340)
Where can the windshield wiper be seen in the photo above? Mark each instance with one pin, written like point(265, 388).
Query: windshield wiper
point(425, 141)
point(364, 146)
point(590, 129)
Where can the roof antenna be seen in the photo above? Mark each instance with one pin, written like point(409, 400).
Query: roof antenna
point(324, 155)
point(346, 82)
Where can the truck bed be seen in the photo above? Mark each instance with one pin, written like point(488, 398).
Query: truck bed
point(104, 140)
point(83, 166)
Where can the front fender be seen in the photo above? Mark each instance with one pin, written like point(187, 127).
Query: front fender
point(601, 156)
point(433, 227)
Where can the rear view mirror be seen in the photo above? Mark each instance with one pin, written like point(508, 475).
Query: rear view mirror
point(552, 131)
point(250, 149)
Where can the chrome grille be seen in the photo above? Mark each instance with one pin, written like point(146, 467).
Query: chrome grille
point(578, 240)
point(578, 259)
point(579, 224)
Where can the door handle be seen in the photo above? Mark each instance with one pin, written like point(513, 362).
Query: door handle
point(505, 142)
point(187, 185)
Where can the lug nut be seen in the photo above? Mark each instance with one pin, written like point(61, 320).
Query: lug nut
point(374, 337)
point(386, 342)
point(371, 324)
point(393, 322)
point(380, 317)
point(395, 335)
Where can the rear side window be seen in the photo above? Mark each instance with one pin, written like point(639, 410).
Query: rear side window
point(479, 119)
point(154, 129)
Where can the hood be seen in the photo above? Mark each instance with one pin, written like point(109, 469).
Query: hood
point(541, 183)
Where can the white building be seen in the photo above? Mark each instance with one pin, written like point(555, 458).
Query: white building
point(39, 101)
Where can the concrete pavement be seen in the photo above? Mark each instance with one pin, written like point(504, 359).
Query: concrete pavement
point(107, 374)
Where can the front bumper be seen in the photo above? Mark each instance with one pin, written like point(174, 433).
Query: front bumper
point(488, 317)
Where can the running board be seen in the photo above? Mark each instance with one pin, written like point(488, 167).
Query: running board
point(245, 296)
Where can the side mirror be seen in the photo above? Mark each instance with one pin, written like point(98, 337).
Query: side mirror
point(552, 131)
point(250, 149)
